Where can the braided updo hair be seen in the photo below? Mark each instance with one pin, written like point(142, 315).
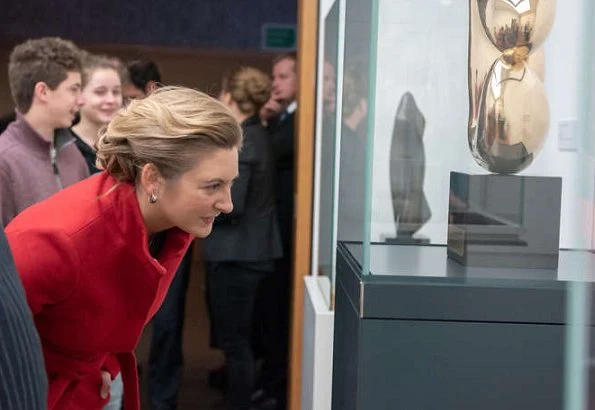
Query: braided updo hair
point(171, 129)
point(249, 87)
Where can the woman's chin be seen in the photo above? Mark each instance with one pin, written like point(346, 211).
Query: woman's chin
point(202, 231)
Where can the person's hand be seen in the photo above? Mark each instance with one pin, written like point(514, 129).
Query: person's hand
point(106, 382)
point(271, 109)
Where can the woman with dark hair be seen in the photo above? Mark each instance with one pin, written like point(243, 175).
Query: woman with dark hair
point(143, 78)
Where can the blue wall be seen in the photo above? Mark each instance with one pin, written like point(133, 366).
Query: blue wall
point(229, 24)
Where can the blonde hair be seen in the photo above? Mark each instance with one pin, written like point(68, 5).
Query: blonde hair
point(249, 87)
point(171, 129)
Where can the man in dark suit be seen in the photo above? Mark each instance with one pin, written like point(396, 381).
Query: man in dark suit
point(273, 300)
point(23, 382)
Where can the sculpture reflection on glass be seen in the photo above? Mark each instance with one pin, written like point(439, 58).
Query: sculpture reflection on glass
point(506, 220)
point(509, 114)
point(407, 169)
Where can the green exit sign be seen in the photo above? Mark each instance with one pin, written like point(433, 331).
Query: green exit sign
point(278, 36)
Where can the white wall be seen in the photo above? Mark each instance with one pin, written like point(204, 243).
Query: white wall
point(317, 353)
point(422, 48)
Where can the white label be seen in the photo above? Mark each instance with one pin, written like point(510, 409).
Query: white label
point(567, 135)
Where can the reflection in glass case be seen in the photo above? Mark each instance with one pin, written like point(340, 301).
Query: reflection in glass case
point(323, 264)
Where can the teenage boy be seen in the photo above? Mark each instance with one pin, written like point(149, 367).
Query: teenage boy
point(37, 158)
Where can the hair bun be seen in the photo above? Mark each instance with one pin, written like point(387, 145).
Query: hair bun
point(250, 88)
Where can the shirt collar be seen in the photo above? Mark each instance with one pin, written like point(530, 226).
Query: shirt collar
point(28, 135)
point(292, 107)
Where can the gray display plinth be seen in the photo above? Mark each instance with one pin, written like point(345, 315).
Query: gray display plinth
point(504, 220)
point(424, 332)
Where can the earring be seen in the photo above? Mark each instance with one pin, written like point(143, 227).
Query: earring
point(152, 198)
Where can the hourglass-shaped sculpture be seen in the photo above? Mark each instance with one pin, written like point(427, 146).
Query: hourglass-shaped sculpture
point(508, 109)
point(498, 219)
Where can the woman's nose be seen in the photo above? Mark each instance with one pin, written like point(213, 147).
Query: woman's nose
point(226, 204)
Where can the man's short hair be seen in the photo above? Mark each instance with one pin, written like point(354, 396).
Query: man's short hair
point(47, 59)
point(141, 72)
point(292, 55)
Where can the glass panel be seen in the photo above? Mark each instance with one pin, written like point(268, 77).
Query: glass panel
point(354, 122)
point(420, 120)
point(580, 348)
point(327, 90)
point(423, 129)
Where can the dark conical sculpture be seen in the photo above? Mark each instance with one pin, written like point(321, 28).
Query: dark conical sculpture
point(407, 169)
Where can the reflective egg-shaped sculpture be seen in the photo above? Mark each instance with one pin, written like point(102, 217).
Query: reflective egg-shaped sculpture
point(513, 24)
point(509, 113)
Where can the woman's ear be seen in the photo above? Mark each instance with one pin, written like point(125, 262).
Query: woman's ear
point(151, 180)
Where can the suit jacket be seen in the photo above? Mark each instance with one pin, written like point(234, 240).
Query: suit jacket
point(282, 135)
point(250, 233)
point(91, 285)
point(23, 383)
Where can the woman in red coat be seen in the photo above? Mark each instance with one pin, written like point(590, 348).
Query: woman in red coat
point(97, 258)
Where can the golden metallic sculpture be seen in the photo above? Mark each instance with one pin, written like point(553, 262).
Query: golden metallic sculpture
point(508, 109)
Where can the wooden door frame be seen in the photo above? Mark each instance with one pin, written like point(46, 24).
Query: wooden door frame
point(307, 43)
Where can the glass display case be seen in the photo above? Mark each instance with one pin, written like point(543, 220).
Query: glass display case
point(455, 192)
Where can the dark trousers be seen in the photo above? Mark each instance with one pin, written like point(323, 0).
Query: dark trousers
point(166, 359)
point(272, 321)
point(232, 289)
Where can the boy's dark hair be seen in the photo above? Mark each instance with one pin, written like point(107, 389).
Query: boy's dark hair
point(141, 72)
point(47, 59)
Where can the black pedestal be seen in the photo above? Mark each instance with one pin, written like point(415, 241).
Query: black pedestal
point(504, 220)
point(421, 332)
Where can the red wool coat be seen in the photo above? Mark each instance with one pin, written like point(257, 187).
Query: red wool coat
point(92, 285)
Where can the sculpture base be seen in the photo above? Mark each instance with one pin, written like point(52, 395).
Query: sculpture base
point(504, 220)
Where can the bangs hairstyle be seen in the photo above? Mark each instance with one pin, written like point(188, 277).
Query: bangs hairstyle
point(171, 128)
